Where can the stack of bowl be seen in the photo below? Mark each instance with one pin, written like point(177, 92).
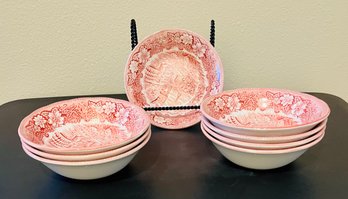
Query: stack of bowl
point(85, 138)
point(263, 128)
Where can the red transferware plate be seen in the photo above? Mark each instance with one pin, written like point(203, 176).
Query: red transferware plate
point(173, 68)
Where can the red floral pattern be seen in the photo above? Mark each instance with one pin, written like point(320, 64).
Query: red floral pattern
point(265, 108)
point(85, 122)
point(173, 68)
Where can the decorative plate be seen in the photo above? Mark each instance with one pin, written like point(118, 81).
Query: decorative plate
point(173, 68)
point(84, 125)
point(264, 108)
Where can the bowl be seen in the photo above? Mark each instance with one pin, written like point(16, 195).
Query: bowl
point(264, 111)
point(260, 159)
point(87, 170)
point(88, 157)
point(266, 139)
point(83, 126)
point(262, 146)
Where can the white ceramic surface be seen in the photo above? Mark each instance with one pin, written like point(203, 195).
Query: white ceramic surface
point(87, 170)
point(260, 159)
point(262, 139)
point(88, 157)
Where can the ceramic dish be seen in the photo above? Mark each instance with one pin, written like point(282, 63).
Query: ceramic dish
point(87, 170)
point(264, 111)
point(88, 157)
point(83, 126)
point(260, 159)
point(265, 140)
point(262, 146)
point(173, 68)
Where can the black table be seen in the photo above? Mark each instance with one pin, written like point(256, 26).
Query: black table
point(180, 164)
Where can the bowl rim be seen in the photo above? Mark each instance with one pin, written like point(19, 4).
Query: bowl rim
point(252, 138)
point(91, 162)
point(262, 146)
point(21, 128)
point(325, 107)
point(87, 157)
point(265, 152)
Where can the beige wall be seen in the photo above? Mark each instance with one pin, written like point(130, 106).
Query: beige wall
point(67, 47)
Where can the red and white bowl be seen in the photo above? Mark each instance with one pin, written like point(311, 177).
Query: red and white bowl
point(93, 169)
point(83, 126)
point(260, 159)
point(264, 111)
point(263, 128)
point(85, 138)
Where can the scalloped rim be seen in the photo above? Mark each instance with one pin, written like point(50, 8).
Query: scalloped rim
point(87, 157)
point(323, 105)
point(263, 138)
point(262, 146)
point(92, 162)
point(265, 152)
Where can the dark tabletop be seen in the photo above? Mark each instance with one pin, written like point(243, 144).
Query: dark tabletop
point(179, 164)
